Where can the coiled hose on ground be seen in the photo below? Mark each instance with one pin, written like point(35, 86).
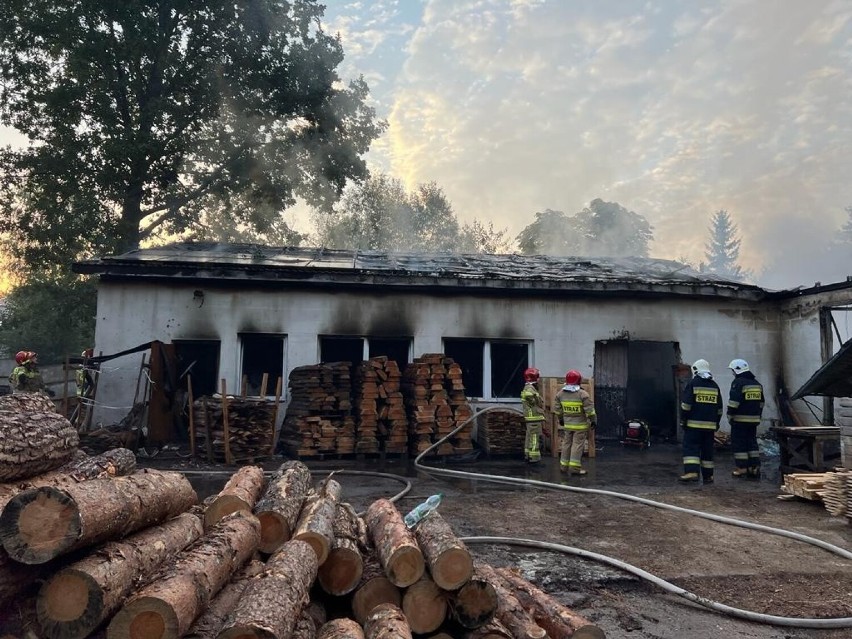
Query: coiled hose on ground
point(837, 622)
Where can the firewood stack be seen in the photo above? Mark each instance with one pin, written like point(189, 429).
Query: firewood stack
point(436, 403)
point(837, 497)
point(250, 424)
point(501, 432)
point(382, 422)
point(319, 417)
point(135, 555)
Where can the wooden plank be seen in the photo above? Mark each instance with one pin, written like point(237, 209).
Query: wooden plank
point(263, 384)
point(228, 458)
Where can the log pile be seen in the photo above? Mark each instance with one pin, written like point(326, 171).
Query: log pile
point(434, 397)
point(382, 423)
point(319, 416)
point(501, 432)
point(234, 429)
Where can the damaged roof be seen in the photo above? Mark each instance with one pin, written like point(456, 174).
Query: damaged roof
point(317, 266)
point(833, 379)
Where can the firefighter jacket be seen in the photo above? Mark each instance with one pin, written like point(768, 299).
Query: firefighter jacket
point(745, 403)
point(26, 380)
point(574, 408)
point(533, 403)
point(701, 404)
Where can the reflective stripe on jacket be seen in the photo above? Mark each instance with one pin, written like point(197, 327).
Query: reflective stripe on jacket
point(745, 403)
point(574, 408)
point(533, 403)
point(701, 404)
point(26, 379)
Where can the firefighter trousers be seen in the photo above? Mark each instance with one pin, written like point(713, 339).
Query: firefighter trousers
point(744, 443)
point(532, 441)
point(573, 442)
point(698, 451)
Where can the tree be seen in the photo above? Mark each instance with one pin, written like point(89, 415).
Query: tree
point(139, 112)
point(723, 248)
point(600, 229)
point(477, 237)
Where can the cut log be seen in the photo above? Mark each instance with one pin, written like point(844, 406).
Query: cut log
point(240, 493)
point(424, 605)
point(210, 623)
point(492, 630)
point(341, 629)
point(279, 507)
point(374, 589)
point(341, 571)
point(559, 621)
point(395, 544)
point(475, 603)
point(113, 463)
point(272, 603)
point(40, 524)
point(78, 598)
point(167, 607)
point(447, 557)
point(34, 438)
point(316, 521)
point(387, 621)
point(510, 612)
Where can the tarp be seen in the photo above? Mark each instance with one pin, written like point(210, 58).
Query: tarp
point(833, 379)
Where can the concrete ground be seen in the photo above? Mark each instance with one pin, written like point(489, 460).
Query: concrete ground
point(746, 569)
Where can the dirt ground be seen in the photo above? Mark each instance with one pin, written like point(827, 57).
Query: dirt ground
point(746, 569)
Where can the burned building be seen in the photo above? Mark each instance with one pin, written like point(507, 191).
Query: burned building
point(632, 324)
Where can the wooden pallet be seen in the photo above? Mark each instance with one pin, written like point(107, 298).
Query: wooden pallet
point(809, 486)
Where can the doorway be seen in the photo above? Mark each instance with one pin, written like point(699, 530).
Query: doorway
point(634, 380)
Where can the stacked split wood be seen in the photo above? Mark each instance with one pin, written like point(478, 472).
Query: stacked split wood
point(501, 432)
point(249, 422)
point(434, 397)
point(381, 420)
point(319, 416)
point(809, 486)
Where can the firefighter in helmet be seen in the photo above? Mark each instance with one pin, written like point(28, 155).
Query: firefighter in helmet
point(533, 415)
point(25, 377)
point(700, 414)
point(576, 413)
point(745, 407)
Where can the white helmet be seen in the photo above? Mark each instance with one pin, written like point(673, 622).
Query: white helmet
point(738, 366)
point(700, 366)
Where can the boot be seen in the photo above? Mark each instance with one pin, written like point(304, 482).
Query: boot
point(578, 471)
point(708, 480)
point(688, 477)
point(564, 470)
point(740, 472)
point(754, 473)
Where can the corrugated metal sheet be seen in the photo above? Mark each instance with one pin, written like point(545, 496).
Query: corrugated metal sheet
point(833, 379)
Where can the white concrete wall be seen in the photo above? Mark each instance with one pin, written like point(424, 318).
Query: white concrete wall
point(563, 331)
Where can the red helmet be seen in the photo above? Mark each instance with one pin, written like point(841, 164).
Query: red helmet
point(21, 357)
point(531, 375)
point(573, 377)
point(89, 352)
point(31, 355)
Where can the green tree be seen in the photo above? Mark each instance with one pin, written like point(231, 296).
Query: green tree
point(478, 237)
point(723, 248)
point(139, 112)
point(600, 229)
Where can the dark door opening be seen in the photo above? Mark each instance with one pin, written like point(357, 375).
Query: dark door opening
point(262, 353)
point(469, 355)
point(200, 359)
point(634, 380)
point(342, 349)
point(509, 360)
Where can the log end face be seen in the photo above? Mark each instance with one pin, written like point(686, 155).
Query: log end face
point(69, 605)
point(38, 525)
point(223, 506)
point(341, 572)
point(274, 531)
point(589, 632)
point(371, 594)
point(406, 566)
point(145, 618)
point(453, 569)
point(319, 543)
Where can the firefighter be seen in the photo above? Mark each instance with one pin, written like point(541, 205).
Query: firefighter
point(701, 413)
point(745, 407)
point(82, 376)
point(576, 413)
point(25, 377)
point(533, 415)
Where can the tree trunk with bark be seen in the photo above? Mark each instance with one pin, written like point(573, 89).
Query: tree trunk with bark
point(240, 493)
point(305, 627)
point(448, 559)
point(167, 607)
point(395, 544)
point(424, 605)
point(273, 602)
point(341, 629)
point(34, 438)
point(492, 630)
point(279, 507)
point(113, 463)
point(387, 621)
point(40, 524)
point(341, 571)
point(374, 589)
point(78, 598)
point(316, 522)
point(475, 603)
point(510, 612)
point(210, 623)
point(559, 621)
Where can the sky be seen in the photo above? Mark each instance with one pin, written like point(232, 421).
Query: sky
point(674, 109)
